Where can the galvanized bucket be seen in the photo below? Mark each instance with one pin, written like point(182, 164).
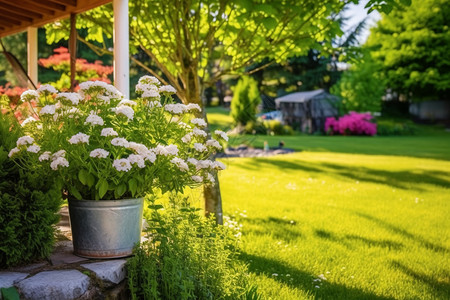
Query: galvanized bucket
point(106, 228)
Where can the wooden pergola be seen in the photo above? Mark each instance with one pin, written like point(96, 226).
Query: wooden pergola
point(27, 15)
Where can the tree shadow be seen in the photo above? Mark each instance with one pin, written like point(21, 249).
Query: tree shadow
point(347, 238)
point(281, 229)
point(406, 180)
point(400, 231)
point(440, 287)
point(303, 280)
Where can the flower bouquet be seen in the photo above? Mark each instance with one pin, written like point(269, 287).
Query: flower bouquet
point(102, 146)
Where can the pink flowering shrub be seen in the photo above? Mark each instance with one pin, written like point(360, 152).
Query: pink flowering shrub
point(352, 124)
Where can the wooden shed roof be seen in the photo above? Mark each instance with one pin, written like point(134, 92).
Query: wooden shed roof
point(17, 15)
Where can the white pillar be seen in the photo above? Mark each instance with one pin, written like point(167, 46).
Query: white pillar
point(121, 47)
point(32, 54)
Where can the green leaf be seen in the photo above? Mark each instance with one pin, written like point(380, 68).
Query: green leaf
point(120, 190)
point(132, 183)
point(74, 192)
point(269, 23)
point(83, 176)
point(90, 180)
point(102, 187)
point(156, 206)
point(10, 293)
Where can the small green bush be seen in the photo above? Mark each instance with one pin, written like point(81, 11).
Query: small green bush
point(269, 127)
point(392, 127)
point(187, 256)
point(245, 101)
point(28, 205)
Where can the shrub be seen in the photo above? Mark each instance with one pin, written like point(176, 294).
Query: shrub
point(187, 256)
point(28, 206)
point(391, 127)
point(351, 124)
point(245, 101)
point(274, 127)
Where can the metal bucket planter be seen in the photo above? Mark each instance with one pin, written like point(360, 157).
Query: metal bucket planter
point(106, 228)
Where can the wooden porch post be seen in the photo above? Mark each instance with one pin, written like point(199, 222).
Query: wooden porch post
point(121, 47)
point(32, 55)
point(73, 50)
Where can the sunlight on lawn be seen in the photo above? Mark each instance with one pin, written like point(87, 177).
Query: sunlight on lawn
point(334, 225)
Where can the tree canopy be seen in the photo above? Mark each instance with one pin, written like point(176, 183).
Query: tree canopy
point(412, 46)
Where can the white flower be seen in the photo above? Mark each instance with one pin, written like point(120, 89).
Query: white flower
point(100, 87)
point(172, 149)
point(74, 98)
point(210, 178)
point(166, 150)
point(24, 140)
point(197, 178)
point(204, 164)
point(192, 161)
point(58, 154)
point(72, 112)
point(34, 149)
point(137, 159)
point(108, 132)
point(181, 164)
point(176, 109)
point(56, 117)
point(127, 102)
point(219, 165)
point(199, 122)
point(199, 147)
point(122, 164)
point(79, 138)
point(222, 134)
point(121, 142)
point(60, 161)
point(45, 156)
point(48, 110)
point(28, 120)
point(138, 148)
point(213, 143)
point(151, 93)
point(192, 107)
point(187, 138)
point(99, 153)
point(13, 151)
point(184, 125)
point(167, 89)
point(46, 89)
point(150, 156)
point(152, 104)
point(103, 98)
point(126, 111)
point(29, 95)
point(94, 120)
point(150, 80)
point(199, 132)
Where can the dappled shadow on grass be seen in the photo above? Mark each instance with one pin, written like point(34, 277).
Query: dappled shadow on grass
point(303, 280)
point(441, 288)
point(404, 233)
point(351, 240)
point(280, 229)
point(397, 179)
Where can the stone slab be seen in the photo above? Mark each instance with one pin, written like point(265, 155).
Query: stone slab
point(63, 254)
point(111, 270)
point(50, 285)
point(7, 279)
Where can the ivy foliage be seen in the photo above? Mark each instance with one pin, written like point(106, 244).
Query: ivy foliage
point(28, 206)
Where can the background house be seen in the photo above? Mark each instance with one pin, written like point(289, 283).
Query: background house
point(308, 110)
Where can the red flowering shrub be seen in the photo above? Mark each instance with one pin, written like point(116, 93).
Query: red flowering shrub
point(352, 124)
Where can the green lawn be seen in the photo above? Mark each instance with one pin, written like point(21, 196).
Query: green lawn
point(346, 217)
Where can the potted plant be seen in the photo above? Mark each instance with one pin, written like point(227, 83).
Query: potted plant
point(109, 152)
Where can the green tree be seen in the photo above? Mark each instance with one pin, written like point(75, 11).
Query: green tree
point(361, 87)
point(412, 46)
point(245, 101)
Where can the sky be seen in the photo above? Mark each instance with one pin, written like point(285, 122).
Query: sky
point(357, 13)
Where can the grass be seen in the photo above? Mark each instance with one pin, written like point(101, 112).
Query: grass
point(371, 215)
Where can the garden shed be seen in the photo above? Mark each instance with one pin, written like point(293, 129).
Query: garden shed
point(307, 110)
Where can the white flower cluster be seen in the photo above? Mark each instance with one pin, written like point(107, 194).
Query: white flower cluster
point(137, 159)
point(46, 89)
point(24, 140)
point(222, 134)
point(213, 143)
point(108, 132)
point(122, 164)
point(79, 138)
point(93, 119)
point(127, 102)
point(73, 98)
point(167, 89)
point(181, 164)
point(99, 153)
point(119, 142)
point(199, 122)
point(28, 121)
point(99, 88)
point(58, 159)
point(29, 95)
point(199, 147)
point(126, 111)
point(166, 150)
point(48, 110)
